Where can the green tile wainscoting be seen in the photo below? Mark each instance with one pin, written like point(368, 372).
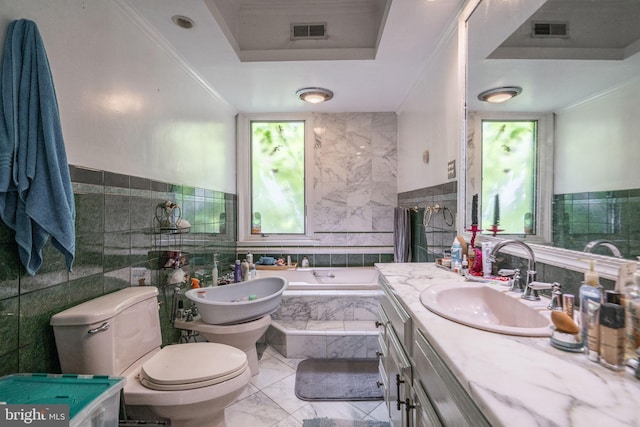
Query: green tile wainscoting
point(579, 218)
point(115, 242)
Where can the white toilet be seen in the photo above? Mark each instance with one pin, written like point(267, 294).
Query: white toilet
point(119, 334)
point(241, 335)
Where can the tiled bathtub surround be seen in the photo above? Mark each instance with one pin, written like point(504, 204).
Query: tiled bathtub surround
point(429, 242)
point(114, 238)
point(579, 218)
point(326, 324)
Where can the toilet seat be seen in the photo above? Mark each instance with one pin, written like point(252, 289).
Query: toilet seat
point(192, 365)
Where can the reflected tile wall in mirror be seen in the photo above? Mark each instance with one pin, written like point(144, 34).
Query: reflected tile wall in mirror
point(580, 218)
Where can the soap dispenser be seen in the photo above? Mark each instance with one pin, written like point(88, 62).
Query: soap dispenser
point(590, 295)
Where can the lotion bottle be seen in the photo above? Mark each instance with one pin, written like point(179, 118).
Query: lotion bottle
point(214, 274)
point(237, 272)
point(631, 298)
point(612, 332)
point(590, 295)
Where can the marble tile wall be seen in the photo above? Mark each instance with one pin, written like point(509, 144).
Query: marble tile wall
point(355, 164)
point(116, 245)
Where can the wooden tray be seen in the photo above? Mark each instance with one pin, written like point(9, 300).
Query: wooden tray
point(277, 267)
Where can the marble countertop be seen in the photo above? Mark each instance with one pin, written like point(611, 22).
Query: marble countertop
point(517, 381)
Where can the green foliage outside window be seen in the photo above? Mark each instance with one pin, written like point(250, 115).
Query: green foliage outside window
point(277, 177)
point(509, 172)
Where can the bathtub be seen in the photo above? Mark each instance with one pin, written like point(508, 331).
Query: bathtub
point(326, 313)
point(327, 278)
point(227, 304)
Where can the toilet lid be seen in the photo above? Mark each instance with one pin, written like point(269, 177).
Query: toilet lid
point(192, 365)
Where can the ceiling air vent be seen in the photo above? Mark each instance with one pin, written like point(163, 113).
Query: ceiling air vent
point(309, 31)
point(550, 29)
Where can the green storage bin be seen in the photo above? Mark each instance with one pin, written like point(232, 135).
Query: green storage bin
point(94, 401)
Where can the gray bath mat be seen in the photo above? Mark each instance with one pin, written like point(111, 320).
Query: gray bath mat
point(332, 422)
point(338, 379)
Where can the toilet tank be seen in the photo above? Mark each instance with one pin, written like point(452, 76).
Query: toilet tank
point(105, 335)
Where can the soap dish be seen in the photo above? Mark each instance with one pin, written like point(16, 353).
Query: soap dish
point(566, 342)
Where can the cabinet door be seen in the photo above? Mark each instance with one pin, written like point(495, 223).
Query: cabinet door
point(424, 415)
point(399, 381)
point(446, 394)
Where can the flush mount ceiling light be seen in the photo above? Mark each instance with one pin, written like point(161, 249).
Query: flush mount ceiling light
point(314, 95)
point(183, 21)
point(499, 94)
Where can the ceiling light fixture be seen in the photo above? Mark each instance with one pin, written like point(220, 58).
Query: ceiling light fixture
point(183, 21)
point(314, 95)
point(499, 94)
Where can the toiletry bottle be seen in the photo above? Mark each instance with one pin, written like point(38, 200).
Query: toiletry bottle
point(456, 254)
point(250, 258)
point(486, 259)
point(631, 303)
point(305, 262)
point(252, 272)
point(244, 266)
point(591, 295)
point(214, 274)
point(237, 272)
point(612, 332)
point(464, 269)
point(180, 310)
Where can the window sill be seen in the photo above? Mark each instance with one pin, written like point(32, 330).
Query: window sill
point(267, 242)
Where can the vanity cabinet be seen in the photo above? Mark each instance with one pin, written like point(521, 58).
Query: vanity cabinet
point(419, 389)
point(395, 368)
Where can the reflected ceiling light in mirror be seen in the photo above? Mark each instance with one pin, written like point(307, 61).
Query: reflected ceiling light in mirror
point(499, 94)
point(314, 95)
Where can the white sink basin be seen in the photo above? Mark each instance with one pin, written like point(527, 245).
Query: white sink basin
point(488, 308)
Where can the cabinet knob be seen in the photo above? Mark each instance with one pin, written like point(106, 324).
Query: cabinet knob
point(378, 324)
point(379, 354)
point(379, 384)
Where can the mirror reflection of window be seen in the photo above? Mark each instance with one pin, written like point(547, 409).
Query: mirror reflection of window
point(509, 164)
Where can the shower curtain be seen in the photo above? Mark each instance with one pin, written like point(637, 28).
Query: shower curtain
point(401, 235)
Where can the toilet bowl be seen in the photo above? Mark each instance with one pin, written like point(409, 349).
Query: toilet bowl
point(119, 334)
point(242, 335)
point(203, 379)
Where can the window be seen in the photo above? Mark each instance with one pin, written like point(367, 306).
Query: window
point(274, 191)
point(277, 177)
point(509, 164)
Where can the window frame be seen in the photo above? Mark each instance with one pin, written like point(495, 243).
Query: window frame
point(544, 169)
point(243, 160)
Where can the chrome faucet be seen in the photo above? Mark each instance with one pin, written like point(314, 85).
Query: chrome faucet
point(531, 293)
point(606, 243)
point(530, 267)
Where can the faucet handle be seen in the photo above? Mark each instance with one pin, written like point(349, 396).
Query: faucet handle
point(538, 286)
point(506, 272)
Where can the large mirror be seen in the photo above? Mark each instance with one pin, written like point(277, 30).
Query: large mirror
point(578, 66)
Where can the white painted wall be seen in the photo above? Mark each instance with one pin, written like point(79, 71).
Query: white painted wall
point(429, 119)
point(598, 143)
point(127, 105)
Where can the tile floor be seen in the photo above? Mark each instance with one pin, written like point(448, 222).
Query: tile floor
point(269, 400)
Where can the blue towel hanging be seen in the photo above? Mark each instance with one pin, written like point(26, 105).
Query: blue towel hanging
point(36, 196)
